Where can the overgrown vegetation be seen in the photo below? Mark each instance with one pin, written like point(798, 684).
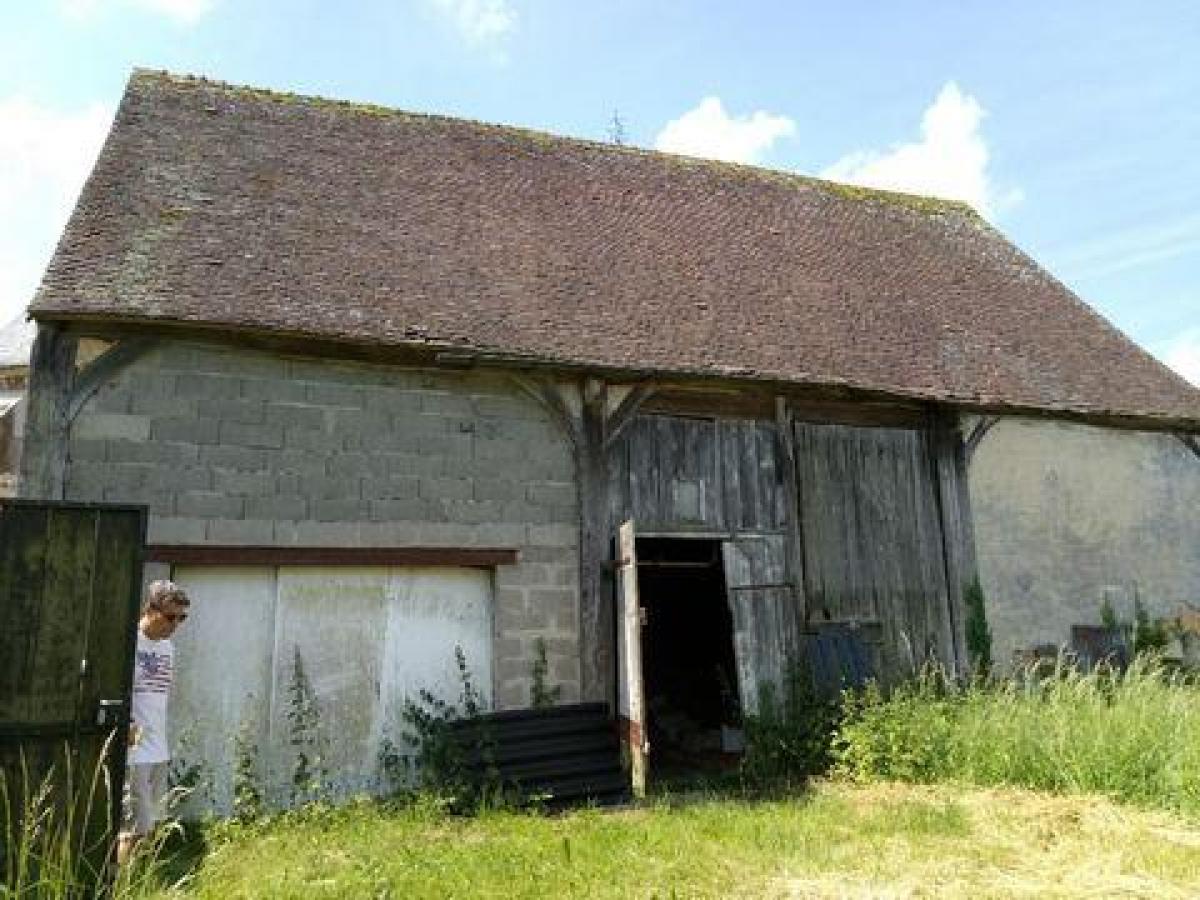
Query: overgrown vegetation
point(979, 634)
point(790, 737)
point(310, 775)
point(248, 800)
point(455, 749)
point(1134, 736)
point(55, 834)
point(541, 695)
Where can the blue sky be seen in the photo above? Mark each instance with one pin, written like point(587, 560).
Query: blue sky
point(1073, 126)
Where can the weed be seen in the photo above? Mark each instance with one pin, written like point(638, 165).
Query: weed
point(248, 803)
point(310, 776)
point(456, 748)
point(1133, 735)
point(540, 695)
point(979, 635)
point(790, 736)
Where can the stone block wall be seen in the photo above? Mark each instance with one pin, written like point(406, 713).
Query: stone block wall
point(229, 446)
point(1068, 515)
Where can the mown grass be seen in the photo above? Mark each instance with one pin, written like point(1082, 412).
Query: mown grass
point(1134, 736)
point(837, 840)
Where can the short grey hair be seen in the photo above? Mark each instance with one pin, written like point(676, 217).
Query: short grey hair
point(161, 592)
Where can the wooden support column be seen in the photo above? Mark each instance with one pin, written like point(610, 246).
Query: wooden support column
point(958, 532)
point(592, 431)
point(48, 416)
point(791, 484)
point(596, 626)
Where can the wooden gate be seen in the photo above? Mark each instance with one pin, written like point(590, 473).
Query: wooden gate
point(70, 579)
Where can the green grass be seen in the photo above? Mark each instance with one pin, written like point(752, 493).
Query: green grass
point(836, 840)
point(1133, 737)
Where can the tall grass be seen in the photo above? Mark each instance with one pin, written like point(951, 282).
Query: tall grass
point(1134, 736)
point(56, 837)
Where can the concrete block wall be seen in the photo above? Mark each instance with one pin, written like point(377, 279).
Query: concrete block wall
point(229, 446)
point(1067, 515)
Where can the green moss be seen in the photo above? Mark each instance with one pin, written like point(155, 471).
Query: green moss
point(541, 141)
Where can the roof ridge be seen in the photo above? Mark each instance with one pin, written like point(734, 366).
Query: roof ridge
point(924, 204)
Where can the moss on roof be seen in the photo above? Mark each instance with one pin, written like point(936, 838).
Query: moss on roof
point(920, 203)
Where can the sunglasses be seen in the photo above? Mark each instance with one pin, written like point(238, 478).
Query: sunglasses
point(173, 618)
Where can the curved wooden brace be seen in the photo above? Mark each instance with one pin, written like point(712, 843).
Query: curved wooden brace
point(978, 433)
point(102, 369)
point(1190, 441)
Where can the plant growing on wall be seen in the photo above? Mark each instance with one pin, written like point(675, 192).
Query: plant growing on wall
point(542, 695)
point(455, 749)
point(248, 802)
point(1148, 636)
point(310, 776)
point(978, 633)
point(189, 775)
point(790, 737)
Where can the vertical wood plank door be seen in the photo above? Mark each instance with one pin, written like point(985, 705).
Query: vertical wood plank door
point(765, 620)
point(631, 689)
point(70, 583)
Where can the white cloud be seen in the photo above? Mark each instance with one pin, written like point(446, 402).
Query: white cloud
point(1133, 247)
point(480, 21)
point(184, 12)
point(708, 131)
point(1182, 353)
point(45, 156)
point(950, 160)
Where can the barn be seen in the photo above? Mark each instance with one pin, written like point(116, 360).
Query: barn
point(391, 384)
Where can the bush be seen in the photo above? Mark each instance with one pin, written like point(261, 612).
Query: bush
point(790, 737)
point(1134, 735)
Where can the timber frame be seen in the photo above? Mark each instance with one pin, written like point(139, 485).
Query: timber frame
point(594, 414)
point(58, 391)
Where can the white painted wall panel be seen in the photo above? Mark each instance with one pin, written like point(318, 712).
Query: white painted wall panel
point(367, 638)
point(335, 620)
point(223, 661)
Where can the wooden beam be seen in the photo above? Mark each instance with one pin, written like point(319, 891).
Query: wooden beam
point(47, 418)
point(546, 393)
point(949, 465)
point(1190, 441)
point(626, 411)
point(230, 555)
point(978, 433)
point(597, 627)
point(103, 368)
point(791, 485)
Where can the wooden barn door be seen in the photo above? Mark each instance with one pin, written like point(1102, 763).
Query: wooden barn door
point(762, 602)
point(70, 579)
point(631, 689)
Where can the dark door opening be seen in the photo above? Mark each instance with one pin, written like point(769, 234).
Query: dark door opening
point(690, 676)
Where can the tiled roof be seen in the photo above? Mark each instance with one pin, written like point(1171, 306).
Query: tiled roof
point(239, 208)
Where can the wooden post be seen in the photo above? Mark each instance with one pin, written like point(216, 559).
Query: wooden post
point(795, 540)
point(958, 531)
point(48, 417)
point(596, 624)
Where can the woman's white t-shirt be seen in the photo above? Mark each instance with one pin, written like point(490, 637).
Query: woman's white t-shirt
point(153, 668)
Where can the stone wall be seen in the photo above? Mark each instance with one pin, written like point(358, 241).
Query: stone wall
point(228, 446)
point(1068, 515)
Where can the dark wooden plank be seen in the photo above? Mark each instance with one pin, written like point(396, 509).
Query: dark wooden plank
point(47, 419)
point(951, 460)
point(62, 639)
point(238, 555)
point(22, 563)
point(873, 537)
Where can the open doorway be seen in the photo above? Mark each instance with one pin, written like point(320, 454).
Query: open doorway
point(690, 677)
